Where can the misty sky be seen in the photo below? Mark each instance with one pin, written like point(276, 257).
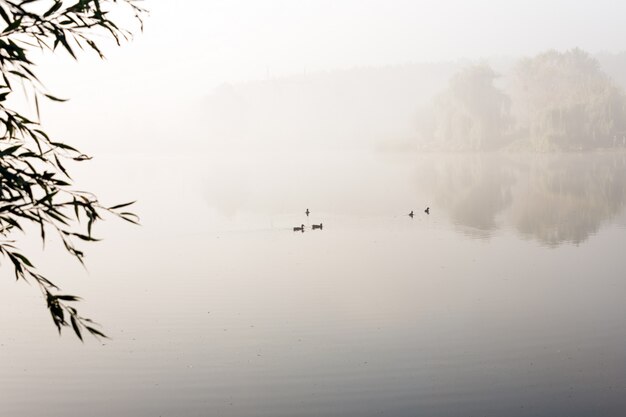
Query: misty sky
point(232, 40)
point(245, 38)
point(288, 36)
point(190, 47)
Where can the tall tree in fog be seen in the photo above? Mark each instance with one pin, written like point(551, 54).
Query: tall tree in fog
point(472, 114)
point(36, 193)
point(565, 101)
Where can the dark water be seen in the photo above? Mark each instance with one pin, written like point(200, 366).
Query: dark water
point(507, 300)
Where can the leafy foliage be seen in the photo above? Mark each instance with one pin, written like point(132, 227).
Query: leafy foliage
point(553, 101)
point(35, 186)
point(563, 100)
point(472, 114)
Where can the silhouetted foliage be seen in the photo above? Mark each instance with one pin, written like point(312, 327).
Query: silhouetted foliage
point(35, 187)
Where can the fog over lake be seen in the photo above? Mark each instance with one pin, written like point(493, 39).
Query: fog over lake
point(464, 163)
point(505, 299)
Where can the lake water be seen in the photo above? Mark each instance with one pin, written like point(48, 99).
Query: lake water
point(508, 299)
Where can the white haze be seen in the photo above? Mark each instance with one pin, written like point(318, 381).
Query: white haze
point(220, 120)
point(151, 95)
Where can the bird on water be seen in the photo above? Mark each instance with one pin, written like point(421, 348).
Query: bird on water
point(427, 211)
point(411, 214)
point(317, 226)
point(299, 229)
point(307, 212)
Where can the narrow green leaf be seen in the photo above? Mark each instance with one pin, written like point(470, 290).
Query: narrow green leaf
point(13, 25)
point(53, 98)
point(119, 206)
point(76, 327)
point(57, 5)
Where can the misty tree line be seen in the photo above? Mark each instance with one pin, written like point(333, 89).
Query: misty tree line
point(553, 101)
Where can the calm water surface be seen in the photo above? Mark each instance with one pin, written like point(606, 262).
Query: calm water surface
point(509, 299)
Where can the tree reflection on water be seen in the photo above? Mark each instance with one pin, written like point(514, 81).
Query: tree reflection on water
point(553, 198)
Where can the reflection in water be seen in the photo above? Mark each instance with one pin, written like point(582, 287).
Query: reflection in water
point(567, 198)
point(474, 189)
point(228, 312)
point(553, 198)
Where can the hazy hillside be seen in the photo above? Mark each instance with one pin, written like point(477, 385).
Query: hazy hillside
point(362, 108)
point(353, 108)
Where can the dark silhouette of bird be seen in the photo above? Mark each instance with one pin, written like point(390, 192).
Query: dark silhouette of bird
point(317, 226)
point(307, 212)
point(411, 214)
point(299, 229)
point(427, 211)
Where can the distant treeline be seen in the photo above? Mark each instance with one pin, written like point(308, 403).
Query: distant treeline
point(356, 108)
point(553, 101)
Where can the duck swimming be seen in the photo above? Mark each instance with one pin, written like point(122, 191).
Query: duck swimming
point(299, 229)
point(317, 226)
point(427, 211)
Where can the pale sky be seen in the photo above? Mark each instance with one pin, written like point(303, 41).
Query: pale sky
point(190, 47)
point(244, 39)
point(208, 42)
